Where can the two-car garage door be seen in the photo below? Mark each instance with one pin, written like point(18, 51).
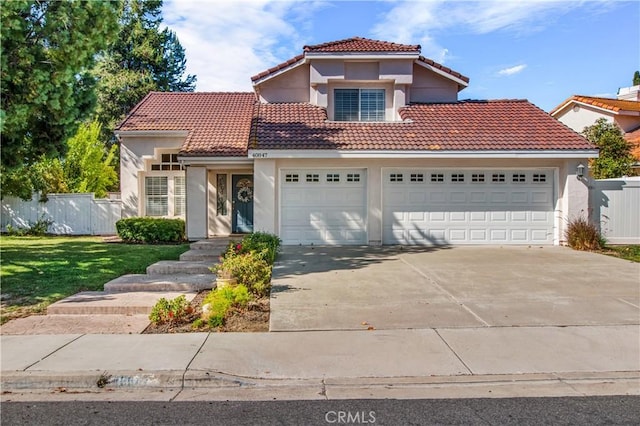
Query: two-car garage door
point(467, 206)
point(419, 206)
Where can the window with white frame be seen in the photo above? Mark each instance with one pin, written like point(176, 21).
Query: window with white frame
point(156, 191)
point(359, 104)
point(179, 196)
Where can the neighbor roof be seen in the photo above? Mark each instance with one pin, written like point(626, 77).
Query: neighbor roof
point(218, 124)
point(358, 45)
point(467, 125)
point(614, 105)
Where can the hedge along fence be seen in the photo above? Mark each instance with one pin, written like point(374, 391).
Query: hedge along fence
point(151, 230)
point(70, 214)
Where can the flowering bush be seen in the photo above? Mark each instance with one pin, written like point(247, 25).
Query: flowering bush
point(170, 311)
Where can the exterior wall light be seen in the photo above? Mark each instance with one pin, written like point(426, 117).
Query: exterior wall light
point(580, 171)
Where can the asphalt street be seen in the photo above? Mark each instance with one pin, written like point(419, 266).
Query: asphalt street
point(614, 410)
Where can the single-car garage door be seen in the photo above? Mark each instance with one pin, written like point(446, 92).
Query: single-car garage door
point(323, 206)
point(438, 206)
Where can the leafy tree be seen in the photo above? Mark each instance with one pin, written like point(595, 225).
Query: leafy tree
point(45, 176)
point(48, 47)
point(89, 167)
point(636, 78)
point(141, 59)
point(615, 159)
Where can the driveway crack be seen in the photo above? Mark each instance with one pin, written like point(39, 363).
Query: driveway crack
point(454, 352)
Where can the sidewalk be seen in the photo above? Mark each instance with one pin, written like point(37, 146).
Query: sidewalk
point(424, 363)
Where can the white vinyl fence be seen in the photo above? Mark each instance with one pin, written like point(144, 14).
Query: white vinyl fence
point(615, 204)
point(72, 214)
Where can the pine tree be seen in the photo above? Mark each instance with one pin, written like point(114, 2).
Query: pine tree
point(48, 47)
point(141, 59)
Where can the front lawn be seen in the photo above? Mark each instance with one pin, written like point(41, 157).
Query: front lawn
point(628, 252)
point(37, 271)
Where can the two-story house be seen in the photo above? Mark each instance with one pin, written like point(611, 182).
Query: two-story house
point(356, 141)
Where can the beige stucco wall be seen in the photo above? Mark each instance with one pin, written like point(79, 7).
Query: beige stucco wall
point(570, 194)
point(135, 152)
point(431, 87)
point(197, 202)
point(290, 86)
point(581, 116)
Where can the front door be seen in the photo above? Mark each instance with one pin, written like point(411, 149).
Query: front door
point(242, 200)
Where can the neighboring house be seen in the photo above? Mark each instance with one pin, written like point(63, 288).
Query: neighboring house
point(579, 112)
point(356, 141)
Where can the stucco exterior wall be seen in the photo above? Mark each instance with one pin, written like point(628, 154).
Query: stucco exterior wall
point(578, 119)
point(133, 153)
point(197, 202)
point(291, 86)
point(571, 195)
point(430, 87)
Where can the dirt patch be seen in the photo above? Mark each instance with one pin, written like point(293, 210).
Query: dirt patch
point(253, 318)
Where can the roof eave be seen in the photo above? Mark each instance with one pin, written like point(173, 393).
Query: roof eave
point(470, 154)
point(461, 83)
point(152, 133)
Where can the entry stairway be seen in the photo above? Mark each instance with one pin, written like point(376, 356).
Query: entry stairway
point(136, 294)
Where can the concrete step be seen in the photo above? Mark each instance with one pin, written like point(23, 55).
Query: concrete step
point(77, 324)
point(143, 282)
point(104, 303)
point(212, 244)
point(178, 267)
point(210, 256)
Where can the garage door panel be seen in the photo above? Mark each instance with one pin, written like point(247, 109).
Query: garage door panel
point(468, 207)
point(323, 206)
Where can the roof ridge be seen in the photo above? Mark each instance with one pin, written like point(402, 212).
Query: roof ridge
point(309, 48)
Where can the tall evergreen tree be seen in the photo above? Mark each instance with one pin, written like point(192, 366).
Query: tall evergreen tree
point(141, 59)
point(636, 78)
point(48, 47)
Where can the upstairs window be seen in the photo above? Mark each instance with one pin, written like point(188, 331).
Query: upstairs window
point(359, 105)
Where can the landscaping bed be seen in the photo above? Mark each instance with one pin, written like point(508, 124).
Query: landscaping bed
point(240, 301)
point(252, 318)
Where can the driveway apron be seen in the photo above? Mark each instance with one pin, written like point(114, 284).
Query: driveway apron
point(363, 288)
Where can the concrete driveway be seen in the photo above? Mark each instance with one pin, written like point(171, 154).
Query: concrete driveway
point(354, 288)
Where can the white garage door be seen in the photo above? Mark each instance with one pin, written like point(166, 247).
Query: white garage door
point(323, 206)
point(433, 206)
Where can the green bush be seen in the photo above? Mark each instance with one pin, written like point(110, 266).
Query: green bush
point(151, 230)
point(219, 302)
point(38, 229)
point(250, 269)
point(264, 243)
point(170, 311)
point(581, 234)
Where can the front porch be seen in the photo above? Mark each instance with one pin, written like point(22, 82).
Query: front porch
point(219, 200)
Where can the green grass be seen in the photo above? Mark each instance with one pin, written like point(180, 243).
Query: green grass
point(37, 271)
point(629, 252)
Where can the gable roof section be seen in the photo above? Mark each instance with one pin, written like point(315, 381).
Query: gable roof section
point(616, 106)
point(362, 45)
point(501, 125)
point(218, 124)
point(358, 45)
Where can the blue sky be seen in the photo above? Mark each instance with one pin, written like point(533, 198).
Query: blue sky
point(543, 51)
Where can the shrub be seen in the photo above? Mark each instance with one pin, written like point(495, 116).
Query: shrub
point(250, 269)
point(581, 234)
point(219, 301)
point(151, 230)
point(37, 229)
point(170, 311)
point(264, 243)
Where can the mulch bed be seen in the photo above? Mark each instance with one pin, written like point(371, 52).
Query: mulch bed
point(253, 318)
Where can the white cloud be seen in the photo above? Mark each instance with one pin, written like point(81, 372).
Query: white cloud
point(226, 42)
point(512, 70)
point(422, 21)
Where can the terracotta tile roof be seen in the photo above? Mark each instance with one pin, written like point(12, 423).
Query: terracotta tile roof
point(467, 125)
point(443, 68)
point(218, 123)
point(360, 44)
point(633, 138)
point(615, 105)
